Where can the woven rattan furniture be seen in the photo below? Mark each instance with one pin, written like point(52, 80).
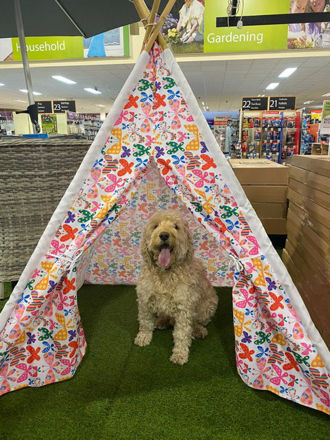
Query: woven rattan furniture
point(34, 174)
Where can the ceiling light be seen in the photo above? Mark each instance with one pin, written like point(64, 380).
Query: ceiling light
point(1, 84)
point(93, 91)
point(25, 91)
point(287, 72)
point(326, 94)
point(100, 105)
point(20, 100)
point(63, 79)
point(272, 86)
point(308, 102)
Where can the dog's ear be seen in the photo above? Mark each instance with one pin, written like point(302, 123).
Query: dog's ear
point(144, 249)
point(189, 241)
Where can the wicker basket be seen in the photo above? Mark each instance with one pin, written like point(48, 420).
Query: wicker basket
point(34, 175)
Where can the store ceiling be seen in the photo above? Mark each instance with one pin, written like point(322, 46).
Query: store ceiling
point(220, 84)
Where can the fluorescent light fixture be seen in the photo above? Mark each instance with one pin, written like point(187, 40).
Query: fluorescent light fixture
point(100, 105)
point(1, 84)
point(326, 94)
point(25, 91)
point(308, 102)
point(20, 100)
point(63, 79)
point(93, 91)
point(272, 86)
point(287, 72)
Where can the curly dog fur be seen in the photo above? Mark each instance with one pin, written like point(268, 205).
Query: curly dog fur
point(172, 288)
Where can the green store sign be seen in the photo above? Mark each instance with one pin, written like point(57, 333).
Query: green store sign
point(49, 48)
point(249, 38)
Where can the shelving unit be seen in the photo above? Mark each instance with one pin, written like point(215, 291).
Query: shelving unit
point(271, 135)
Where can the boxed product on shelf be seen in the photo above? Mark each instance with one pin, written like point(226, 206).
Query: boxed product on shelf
point(307, 248)
point(265, 184)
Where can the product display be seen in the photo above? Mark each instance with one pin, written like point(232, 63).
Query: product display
point(309, 130)
point(272, 135)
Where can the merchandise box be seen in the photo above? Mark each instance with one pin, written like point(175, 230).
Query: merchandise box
point(322, 231)
point(313, 180)
point(300, 229)
point(267, 193)
point(315, 296)
point(310, 253)
point(274, 225)
point(271, 210)
point(259, 172)
point(308, 265)
point(314, 211)
point(319, 197)
point(317, 164)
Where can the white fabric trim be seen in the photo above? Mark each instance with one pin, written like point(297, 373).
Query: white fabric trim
point(74, 187)
point(223, 167)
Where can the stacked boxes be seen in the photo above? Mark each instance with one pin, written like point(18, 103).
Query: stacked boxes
point(265, 184)
point(307, 248)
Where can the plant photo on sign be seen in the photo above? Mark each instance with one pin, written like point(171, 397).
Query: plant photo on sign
point(184, 27)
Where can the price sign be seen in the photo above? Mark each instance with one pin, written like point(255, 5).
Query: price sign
point(64, 106)
point(282, 103)
point(257, 103)
point(44, 106)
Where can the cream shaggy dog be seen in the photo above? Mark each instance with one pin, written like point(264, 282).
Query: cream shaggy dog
point(172, 288)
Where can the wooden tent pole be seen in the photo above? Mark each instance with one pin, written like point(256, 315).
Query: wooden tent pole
point(159, 25)
point(143, 13)
point(151, 20)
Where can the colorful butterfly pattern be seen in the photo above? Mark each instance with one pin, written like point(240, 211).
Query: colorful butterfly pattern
point(156, 141)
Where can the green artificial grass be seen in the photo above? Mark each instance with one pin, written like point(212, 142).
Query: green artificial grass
point(124, 392)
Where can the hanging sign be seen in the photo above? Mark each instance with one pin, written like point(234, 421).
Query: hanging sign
point(282, 103)
point(44, 106)
point(64, 106)
point(255, 103)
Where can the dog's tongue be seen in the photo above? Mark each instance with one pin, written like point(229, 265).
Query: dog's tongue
point(164, 257)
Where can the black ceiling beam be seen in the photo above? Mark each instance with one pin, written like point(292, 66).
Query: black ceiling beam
point(261, 20)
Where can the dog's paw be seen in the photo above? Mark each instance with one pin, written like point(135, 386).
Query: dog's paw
point(179, 357)
point(199, 332)
point(143, 339)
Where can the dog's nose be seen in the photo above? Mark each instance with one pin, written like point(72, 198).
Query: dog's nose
point(163, 236)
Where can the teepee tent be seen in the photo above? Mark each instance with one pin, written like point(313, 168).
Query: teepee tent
point(154, 151)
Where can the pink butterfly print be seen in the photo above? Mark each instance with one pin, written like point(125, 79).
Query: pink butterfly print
point(202, 178)
point(150, 140)
point(95, 206)
point(178, 112)
point(181, 136)
point(6, 374)
point(57, 248)
point(190, 119)
point(263, 370)
point(27, 371)
point(63, 301)
point(308, 348)
point(93, 190)
point(280, 377)
point(68, 364)
point(125, 116)
point(255, 249)
point(251, 268)
point(171, 180)
point(147, 122)
point(115, 183)
point(248, 301)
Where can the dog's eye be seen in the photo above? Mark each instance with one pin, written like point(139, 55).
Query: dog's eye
point(155, 226)
point(176, 227)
